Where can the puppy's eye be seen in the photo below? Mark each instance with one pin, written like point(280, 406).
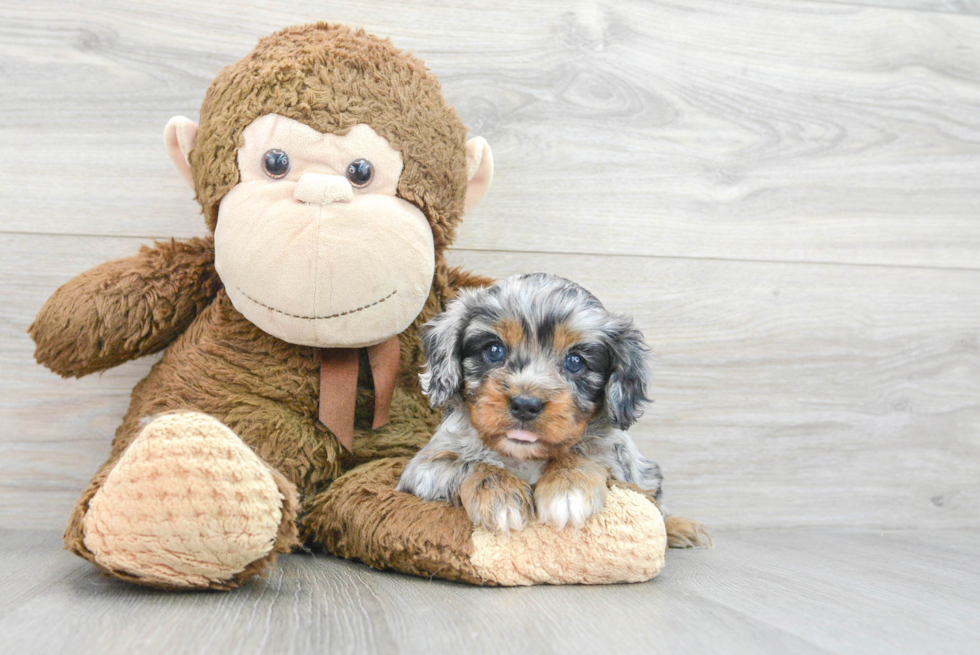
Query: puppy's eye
point(574, 363)
point(494, 353)
point(275, 163)
point(360, 172)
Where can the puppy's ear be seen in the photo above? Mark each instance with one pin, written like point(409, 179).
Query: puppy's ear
point(442, 375)
point(626, 389)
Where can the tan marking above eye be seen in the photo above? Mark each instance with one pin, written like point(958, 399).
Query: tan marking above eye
point(564, 338)
point(511, 331)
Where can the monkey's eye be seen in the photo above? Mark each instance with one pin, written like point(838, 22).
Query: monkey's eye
point(574, 363)
point(494, 353)
point(360, 172)
point(275, 163)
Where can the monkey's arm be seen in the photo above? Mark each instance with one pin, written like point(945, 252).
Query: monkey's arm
point(125, 308)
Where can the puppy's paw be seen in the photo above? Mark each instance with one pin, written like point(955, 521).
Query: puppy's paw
point(685, 533)
point(570, 494)
point(496, 499)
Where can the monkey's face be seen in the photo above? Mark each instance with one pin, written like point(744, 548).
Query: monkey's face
point(313, 245)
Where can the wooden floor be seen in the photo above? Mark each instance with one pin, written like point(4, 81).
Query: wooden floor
point(760, 591)
point(785, 194)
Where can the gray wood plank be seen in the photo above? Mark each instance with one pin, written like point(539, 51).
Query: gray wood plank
point(786, 394)
point(849, 591)
point(970, 7)
point(782, 131)
point(791, 394)
point(49, 451)
point(759, 591)
point(31, 563)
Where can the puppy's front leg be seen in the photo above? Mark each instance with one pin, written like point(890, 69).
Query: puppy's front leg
point(571, 489)
point(496, 499)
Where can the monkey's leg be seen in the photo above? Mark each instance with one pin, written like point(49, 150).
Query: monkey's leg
point(186, 505)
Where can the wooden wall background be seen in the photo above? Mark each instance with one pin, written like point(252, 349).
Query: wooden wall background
point(785, 193)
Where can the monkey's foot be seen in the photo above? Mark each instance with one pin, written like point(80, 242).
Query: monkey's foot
point(189, 505)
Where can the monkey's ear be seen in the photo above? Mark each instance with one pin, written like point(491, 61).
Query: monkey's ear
point(479, 169)
point(179, 137)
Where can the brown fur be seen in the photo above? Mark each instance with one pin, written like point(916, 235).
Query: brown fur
point(571, 471)
point(169, 296)
point(445, 456)
point(332, 77)
point(559, 426)
point(125, 309)
point(488, 488)
point(266, 391)
point(370, 521)
point(564, 338)
point(489, 411)
point(511, 331)
point(686, 533)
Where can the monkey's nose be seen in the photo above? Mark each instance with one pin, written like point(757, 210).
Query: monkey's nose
point(320, 189)
point(525, 408)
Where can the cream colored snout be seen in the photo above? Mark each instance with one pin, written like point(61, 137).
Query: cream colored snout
point(321, 189)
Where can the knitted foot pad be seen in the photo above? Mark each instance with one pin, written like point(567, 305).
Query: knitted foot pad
point(188, 505)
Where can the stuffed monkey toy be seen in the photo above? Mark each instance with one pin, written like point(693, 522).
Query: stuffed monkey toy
point(332, 176)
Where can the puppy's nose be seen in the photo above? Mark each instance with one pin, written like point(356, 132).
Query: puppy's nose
point(525, 408)
point(320, 189)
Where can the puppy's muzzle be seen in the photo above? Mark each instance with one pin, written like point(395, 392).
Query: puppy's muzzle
point(525, 408)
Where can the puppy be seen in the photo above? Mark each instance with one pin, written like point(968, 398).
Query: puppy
point(540, 383)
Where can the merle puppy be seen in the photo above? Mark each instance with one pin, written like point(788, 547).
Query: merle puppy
point(540, 382)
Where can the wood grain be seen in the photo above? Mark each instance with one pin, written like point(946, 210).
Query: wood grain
point(786, 394)
point(792, 394)
point(783, 193)
point(777, 591)
point(970, 7)
point(779, 131)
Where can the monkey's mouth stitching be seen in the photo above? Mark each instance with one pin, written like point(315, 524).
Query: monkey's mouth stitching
point(317, 318)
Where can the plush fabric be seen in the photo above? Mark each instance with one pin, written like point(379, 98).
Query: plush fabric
point(362, 517)
point(479, 168)
point(220, 462)
point(324, 66)
point(304, 144)
point(188, 505)
point(263, 389)
point(178, 137)
point(297, 278)
point(125, 309)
